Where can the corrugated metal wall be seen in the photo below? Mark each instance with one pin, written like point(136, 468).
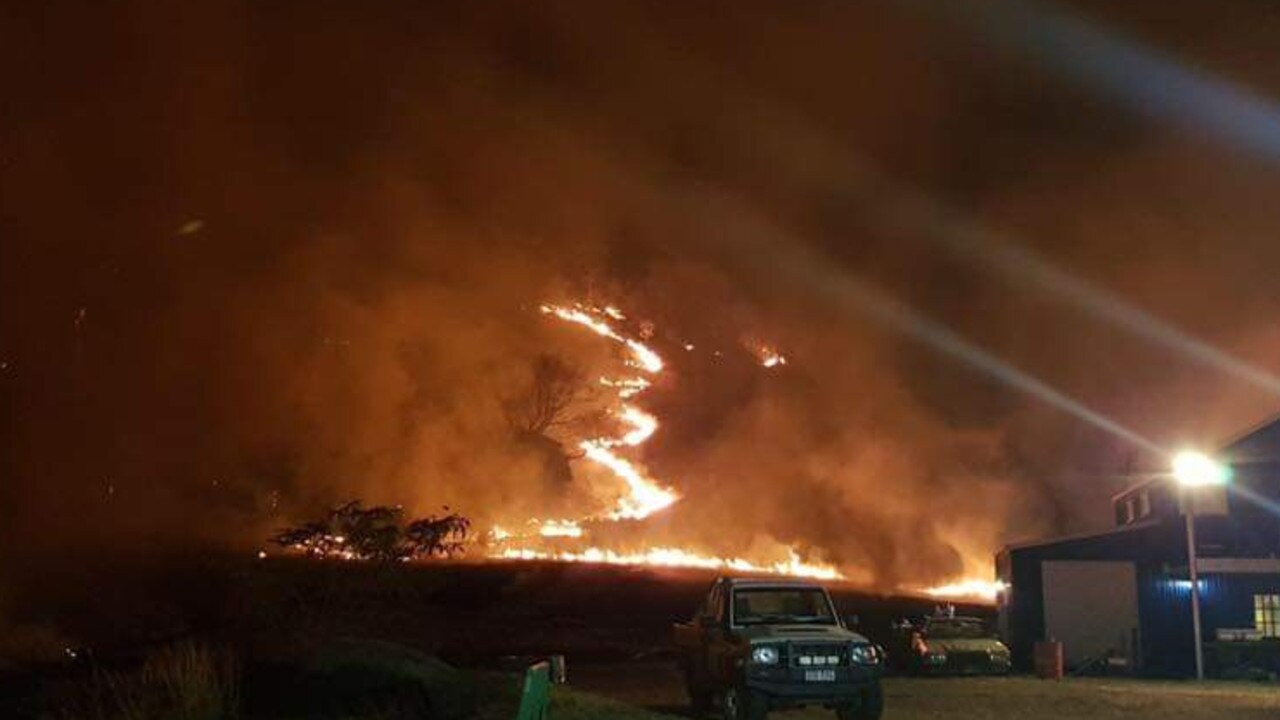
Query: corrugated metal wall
point(1164, 603)
point(1226, 601)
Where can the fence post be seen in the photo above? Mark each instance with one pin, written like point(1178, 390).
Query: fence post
point(536, 693)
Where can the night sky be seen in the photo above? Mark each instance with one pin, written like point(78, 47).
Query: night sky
point(260, 258)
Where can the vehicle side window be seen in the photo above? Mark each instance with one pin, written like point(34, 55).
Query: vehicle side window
point(711, 609)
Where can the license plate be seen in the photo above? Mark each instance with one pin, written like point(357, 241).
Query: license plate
point(819, 675)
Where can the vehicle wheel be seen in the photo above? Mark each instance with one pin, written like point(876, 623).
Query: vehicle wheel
point(870, 708)
point(739, 704)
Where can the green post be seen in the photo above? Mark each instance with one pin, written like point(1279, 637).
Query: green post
point(536, 694)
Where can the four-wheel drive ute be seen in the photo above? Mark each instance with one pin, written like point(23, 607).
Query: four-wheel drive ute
point(948, 645)
point(759, 645)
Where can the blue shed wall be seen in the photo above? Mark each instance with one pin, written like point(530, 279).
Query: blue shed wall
point(1226, 602)
point(1164, 609)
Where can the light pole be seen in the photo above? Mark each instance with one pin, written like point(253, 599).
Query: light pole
point(1195, 470)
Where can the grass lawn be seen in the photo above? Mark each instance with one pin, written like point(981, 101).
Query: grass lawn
point(1003, 698)
point(499, 696)
point(979, 698)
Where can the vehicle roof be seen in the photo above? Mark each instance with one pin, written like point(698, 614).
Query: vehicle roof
point(768, 582)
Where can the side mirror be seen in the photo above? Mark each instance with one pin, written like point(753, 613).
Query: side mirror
point(851, 621)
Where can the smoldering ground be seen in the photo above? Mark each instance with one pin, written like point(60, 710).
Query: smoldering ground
point(262, 258)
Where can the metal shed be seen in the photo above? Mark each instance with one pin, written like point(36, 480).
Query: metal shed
point(1123, 597)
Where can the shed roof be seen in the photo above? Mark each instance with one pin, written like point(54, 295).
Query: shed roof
point(1040, 542)
point(1257, 444)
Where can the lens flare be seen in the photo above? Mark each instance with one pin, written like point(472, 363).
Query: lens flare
point(1195, 469)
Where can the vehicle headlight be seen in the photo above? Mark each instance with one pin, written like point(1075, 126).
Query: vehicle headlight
point(764, 655)
point(864, 654)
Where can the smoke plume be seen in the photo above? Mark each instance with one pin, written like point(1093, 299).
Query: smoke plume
point(261, 258)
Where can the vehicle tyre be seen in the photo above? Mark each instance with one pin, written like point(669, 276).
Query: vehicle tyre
point(737, 703)
point(870, 708)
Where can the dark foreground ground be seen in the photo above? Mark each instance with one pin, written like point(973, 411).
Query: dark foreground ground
point(652, 691)
point(468, 614)
point(284, 638)
point(289, 622)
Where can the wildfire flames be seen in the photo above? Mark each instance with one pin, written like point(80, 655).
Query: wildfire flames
point(642, 496)
point(559, 528)
point(987, 590)
point(675, 557)
point(770, 357)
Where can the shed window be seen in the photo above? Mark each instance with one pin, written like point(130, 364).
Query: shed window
point(1266, 614)
point(1144, 504)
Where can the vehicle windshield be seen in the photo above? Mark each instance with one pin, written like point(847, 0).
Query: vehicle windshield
point(956, 628)
point(765, 606)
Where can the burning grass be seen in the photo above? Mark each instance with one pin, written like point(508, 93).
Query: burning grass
point(644, 496)
point(641, 495)
point(630, 494)
point(353, 532)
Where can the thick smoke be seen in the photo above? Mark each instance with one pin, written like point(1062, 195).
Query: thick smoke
point(260, 258)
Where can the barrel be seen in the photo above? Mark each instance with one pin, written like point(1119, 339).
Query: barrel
point(1048, 659)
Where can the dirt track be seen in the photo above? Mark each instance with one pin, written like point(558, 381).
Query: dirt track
point(653, 685)
point(657, 687)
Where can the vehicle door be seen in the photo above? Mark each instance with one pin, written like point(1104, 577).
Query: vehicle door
point(718, 639)
point(703, 622)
